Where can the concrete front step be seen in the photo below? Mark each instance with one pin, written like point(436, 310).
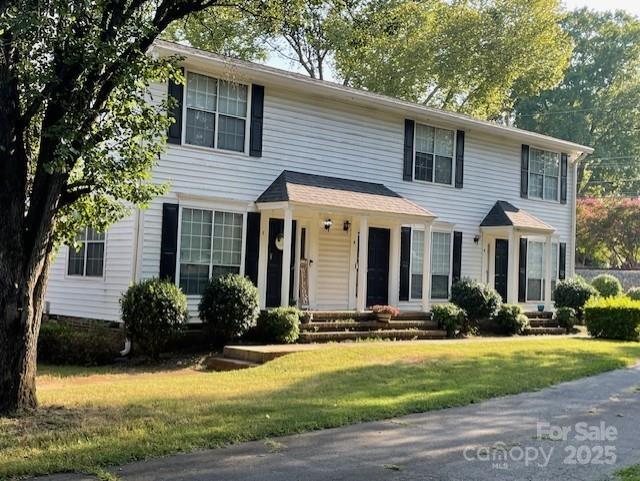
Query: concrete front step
point(536, 331)
point(227, 364)
point(366, 325)
point(398, 334)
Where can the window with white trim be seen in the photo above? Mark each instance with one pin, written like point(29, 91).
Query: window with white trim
point(88, 260)
point(440, 264)
point(433, 158)
point(216, 114)
point(417, 256)
point(544, 174)
point(535, 271)
point(210, 246)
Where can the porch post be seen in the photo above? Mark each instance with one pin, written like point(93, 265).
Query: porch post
point(361, 301)
point(314, 239)
point(286, 257)
point(512, 261)
point(394, 266)
point(547, 273)
point(263, 252)
point(426, 268)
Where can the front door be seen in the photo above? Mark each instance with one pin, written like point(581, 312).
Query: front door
point(502, 267)
point(378, 267)
point(274, 262)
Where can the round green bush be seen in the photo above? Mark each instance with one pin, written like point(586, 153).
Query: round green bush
point(280, 325)
point(229, 307)
point(154, 312)
point(566, 317)
point(479, 301)
point(634, 293)
point(449, 317)
point(510, 319)
point(574, 293)
point(607, 285)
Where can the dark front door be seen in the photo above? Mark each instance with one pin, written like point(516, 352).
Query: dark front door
point(274, 261)
point(502, 267)
point(378, 267)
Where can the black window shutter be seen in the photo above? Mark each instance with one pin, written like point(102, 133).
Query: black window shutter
point(169, 242)
point(562, 261)
point(405, 261)
point(522, 271)
point(252, 246)
point(174, 133)
point(407, 170)
point(563, 178)
point(524, 172)
point(457, 256)
point(257, 114)
point(459, 159)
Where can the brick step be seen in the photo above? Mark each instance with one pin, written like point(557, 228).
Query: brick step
point(250, 355)
point(538, 322)
point(539, 315)
point(326, 316)
point(337, 326)
point(536, 331)
point(413, 316)
point(227, 364)
point(398, 334)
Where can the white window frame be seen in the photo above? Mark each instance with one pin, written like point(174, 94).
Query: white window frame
point(213, 209)
point(554, 270)
point(84, 270)
point(433, 231)
point(247, 118)
point(544, 176)
point(433, 174)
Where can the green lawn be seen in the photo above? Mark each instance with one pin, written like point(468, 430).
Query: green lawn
point(93, 418)
point(632, 473)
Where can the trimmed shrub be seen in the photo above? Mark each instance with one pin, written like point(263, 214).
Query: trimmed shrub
point(634, 293)
point(566, 317)
point(280, 325)
point(60, 343)
point(510, 319)
point(153, 312)
point(574, 293)
point(479, 301)
point(229, 307)
point(607, 285)
point(613, 318)
point(449, 317)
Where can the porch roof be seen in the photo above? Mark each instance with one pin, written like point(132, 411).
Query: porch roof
point(323, 191)
point(504, 214)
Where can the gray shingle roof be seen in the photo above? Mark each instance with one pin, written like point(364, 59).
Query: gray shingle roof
point(504, 214)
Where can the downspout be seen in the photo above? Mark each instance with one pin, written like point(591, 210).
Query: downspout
point(580, 158)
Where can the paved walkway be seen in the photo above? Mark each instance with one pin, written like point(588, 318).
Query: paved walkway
point(492, 440)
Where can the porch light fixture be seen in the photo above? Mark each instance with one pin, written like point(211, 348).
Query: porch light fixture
point(476, 239)
point(327, 224)
point(346, 225)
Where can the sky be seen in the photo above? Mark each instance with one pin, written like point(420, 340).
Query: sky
point(632, 6)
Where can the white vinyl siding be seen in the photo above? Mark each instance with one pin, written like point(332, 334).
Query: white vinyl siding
point(334, 254)
point(544, 174)
point(433, 158)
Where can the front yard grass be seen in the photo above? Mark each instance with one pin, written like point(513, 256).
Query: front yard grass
point(92, 418)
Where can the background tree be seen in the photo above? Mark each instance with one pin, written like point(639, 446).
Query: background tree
point(597, 102)
point(77, 140)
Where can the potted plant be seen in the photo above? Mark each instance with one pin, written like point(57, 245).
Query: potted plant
point(385, 313)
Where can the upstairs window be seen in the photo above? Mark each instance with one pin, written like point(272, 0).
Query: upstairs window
point(88, 260)
point(433, 158)
point(544, 174)
point(216, 114)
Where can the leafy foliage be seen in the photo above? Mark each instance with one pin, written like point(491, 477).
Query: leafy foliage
point(153, 312)
point(566, 317)
point(574, 293)
point(449, 317)
point(613, 318)
point(280, 325)
point(607, 285)
point(510, 319)
point(634, 293)
point(229, 307)
point(479, 301)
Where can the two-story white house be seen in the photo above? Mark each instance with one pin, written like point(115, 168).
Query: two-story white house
point(331, 198)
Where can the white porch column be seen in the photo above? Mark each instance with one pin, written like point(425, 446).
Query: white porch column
point(314, 239)
point(296, 264)
point(286, 257)
point(547, 273)
point(426, 269)
point(361, 301)
point(263, 252)
point(394, 266)
point(512, 273)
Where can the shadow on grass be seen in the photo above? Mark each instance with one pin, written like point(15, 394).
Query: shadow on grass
point(292, 397)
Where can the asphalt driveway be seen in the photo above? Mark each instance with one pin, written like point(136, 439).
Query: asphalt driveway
point(581, 430)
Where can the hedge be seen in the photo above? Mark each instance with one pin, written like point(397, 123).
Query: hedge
point(613, 318)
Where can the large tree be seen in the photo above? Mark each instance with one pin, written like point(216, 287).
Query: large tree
point(597, 101)
point(77, 140)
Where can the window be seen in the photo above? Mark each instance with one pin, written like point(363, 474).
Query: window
point(544, 174)
point(535, 271)
point(440, 262)
point(216, 113)
point(210, 246)
point(88, 260)
point(433, 160)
